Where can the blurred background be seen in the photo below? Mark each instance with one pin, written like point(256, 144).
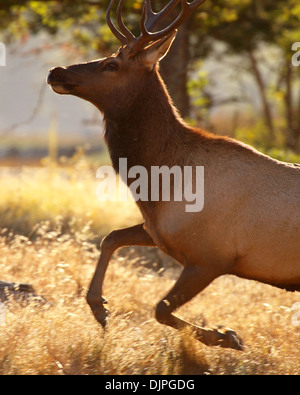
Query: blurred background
point(230, 70)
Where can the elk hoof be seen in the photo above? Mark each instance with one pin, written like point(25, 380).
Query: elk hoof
point(226, 338)
point(100, 312)
point(230, 339)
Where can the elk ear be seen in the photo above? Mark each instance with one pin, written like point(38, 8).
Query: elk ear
point(157, 51)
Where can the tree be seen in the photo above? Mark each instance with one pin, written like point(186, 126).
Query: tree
point(241, 24)
point(85, 22)
point(275, 23)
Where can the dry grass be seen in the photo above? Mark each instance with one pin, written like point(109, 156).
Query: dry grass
point(62, 337)
point(62, 197)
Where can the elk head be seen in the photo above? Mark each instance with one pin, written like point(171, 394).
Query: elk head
point(113, 83)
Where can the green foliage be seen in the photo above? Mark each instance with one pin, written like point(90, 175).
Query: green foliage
point(256, 135)
point(241, 24)
point(283, 154)
point(195, 86)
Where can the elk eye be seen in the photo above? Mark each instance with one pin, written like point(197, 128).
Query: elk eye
point(111, 66)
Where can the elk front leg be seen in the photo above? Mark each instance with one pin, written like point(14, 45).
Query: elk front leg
point(135, 235)
point(193, 280)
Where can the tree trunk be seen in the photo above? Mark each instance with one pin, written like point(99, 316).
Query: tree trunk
point(291, 132)
point(298, 125)
point(292, 123)
point(174, 70)
point(262, 90)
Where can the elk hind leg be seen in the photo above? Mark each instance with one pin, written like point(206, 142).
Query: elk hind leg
point(193, 280)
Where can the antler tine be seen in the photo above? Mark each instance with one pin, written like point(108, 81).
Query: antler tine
point(186, 11)
point(150, 19)
point(125, 36)
point(112, 27)
point(127, 33)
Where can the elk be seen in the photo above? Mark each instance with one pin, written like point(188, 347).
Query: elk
point(250, 223)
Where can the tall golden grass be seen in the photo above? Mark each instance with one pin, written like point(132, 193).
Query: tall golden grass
point(58, 257)
point(64, 197)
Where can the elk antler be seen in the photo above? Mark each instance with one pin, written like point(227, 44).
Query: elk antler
point(125, 36)
point(149, 20)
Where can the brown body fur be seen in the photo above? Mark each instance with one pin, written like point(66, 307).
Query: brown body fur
point(250, 223)
point(249, 198)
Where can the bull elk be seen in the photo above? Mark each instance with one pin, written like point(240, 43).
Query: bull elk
point(250, 223)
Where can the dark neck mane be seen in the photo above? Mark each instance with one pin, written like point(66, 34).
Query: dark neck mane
point(151, 132)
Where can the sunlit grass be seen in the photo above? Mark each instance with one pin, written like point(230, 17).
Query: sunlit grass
point(62, 337)
point(64, 196)
point(58, 213)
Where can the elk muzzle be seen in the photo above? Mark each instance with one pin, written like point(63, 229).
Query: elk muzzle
point(62, 80)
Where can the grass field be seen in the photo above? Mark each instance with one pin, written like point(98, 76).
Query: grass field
point(50, 220)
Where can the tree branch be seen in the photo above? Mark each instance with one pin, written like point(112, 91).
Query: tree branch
point(6, 5)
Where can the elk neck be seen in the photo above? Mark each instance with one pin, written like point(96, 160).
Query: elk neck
point(150, 132)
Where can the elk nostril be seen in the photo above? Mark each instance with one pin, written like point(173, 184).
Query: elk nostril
point(54, 74)
point(50, 77)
